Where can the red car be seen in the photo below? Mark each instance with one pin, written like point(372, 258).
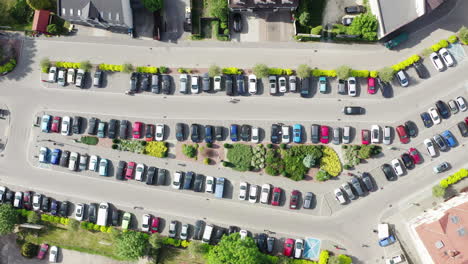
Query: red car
point(154, 227)
point(136, 131)
point(365, 136)
point(276, 196)
point(56, 124)
point(27, 200)
point(294, 201)
point(371, 89)
point(42, 251)
point(129, 172)
point(414, 153)
point(401, 131)
point(288, 247)
point(466, 120)
point(149, 132)
point(324, 134)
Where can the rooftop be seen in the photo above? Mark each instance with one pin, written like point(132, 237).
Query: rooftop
point(41, 20)
point(393, 14)
point(263, 4)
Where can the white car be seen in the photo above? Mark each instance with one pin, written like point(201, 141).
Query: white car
point(36, 202)
point(145, 222)
point(396, 164)
point(339, 196)
point(453, 106)
point(447, 57)
point(461, 103)
point(195, 88)
point(298, 248)
point(430, 147)
point(73, 161)
point(283, 87)
point(53, 74)
point(434, 115)
point(79, 78)
point(177, 181)
point(395, 260)
point(209, 184)
point(217, 83)
point(172, 229)
point(79, 212)
point(103, 164)
point(18, 199)
point(243, 191)
point(265, 194)
point(292, 83)
point(387, 135)
point(243, 233)
point(255, 135)
point(375, 134)
point(139, 171)
point(352, 86)
point(43, 154)
point(159, 132)
point(183, 78)
point(346, 135)
point(253, 193)
point(252, 84)
point(62, 77)
point(93, 163)
point(66, 124)
point(285, 137)
point(437, 62)
point(71, 73)
point(184, 232)
point(53, 254)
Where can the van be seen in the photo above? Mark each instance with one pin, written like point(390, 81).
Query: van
point(314, 133)
point(346, 135)
point(207, 234)
point(103, 212)
point(219, 191)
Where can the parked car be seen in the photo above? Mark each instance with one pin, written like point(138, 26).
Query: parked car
point(79, 211)
point(336, 138)
point(322, 84)
point(434, 115)
point(265, 194)
point(206, 82)
point(149, 132)
point(453, 106)
point(324, 134)
point(229, 86)
point(407, 161)
point(255, 138)
point(387, 135)
point(253, 193)
point(297, 133)
point(64, 158)
point(421, 70)
point(461, 103)
point(305, 89)
point(449, 138)
point(339, 196)
point(411, 128)
point(342, 86)
point(243, 186)
point(441, 143)
point(71, 73)
point(427, 120)
point(55, 124)
point(365, 136)
point(298, 248)
point(245, 132)
point(347, 189)
point(18, 200)
point(388, 171)
point(198, 230)
point(83, 164)
point(136, 130)
point(43, 155)
point(73, 161)
point(97, 79)
point(27, 196)
point(62, 77)
point(195, 133)
point(402, 79)
point(441, 167)
point(309, 196)
point(430, 147)
point(139, 171)
point(240, 84)
point(184, 232)
point(45, 123)
point(437, 62)
point(346, 135)
point(119, 174)
point(189, 177)
point(397, 167)
point(237, 22)
point(92, 213)
point(371, 88)
point(198, 183)
point(161, 177)
point(252, 84)
point(352, 86)
point(315, 133)
point(347, 20)
point(166, 84)
point(366, 179)
point(275, 134)
point(261, 241)
point(375, 134)
point(144, 83)
point(401, 131)
point(134, 82)
point(52, 77)
point(414, 153)
point(357, 186)
point(462, 126)
point(357, 9)
point(155, 87)
point(353, 110)
point(159, 132)
point(442, 109)
point(285, 137)
point(130, 170)
point(276, 197)
point(177, 179)
point(272, 84)
point(112, 129)
point(294, 199)
point(145, 222)
point(447, 57)
point(209, 184)
point(217, 83)
point(283, 86)
point(101, 133)
point(64, 209)
point(292, 83)
point(180, 132)
point(233, 133)
point(288, 247)
point(173, 229)
point(42, 251)
point(92, 126)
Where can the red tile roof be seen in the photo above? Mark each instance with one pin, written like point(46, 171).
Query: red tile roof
point(452, 231)
point(41, 20)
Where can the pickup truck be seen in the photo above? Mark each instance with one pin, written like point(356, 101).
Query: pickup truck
point(396, 41)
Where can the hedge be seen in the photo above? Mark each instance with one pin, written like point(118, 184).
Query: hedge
point(175, 242)
point(327, 73)
point(89, 140)
point(144, 69)
point(156, 149)
point(55, 219)
point(454, 178)
point(68, 65)
point(8, 67)
point(441, 44)
point(359, 73)
point(232, 70)
point(110, 67)
point(373, 74)
point(323, 258)
point(406, 63)
point(279, 71)
point(183, 70)
point(452, 39)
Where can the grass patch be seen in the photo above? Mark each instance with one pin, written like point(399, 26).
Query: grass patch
point(89, 140)
point(137, 146)
point(240, 156)
point(171, 255)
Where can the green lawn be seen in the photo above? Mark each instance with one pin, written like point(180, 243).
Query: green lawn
point(170, 255)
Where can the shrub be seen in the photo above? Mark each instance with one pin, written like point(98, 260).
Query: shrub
point(327, 73)
point(316, 30)
point(190, 150)
point(206, 161)
point(454, 178)
point(260, 70)
point(33, 217)
point(240, 156)
point(258, 157)
point(386, 74)
point(282, 146)
point(89, 140)
point(303, 71)
point(309, 161)
point(45, 65)
point(116, 141)
point(330, 162)
point(343, 72)
point(111, 67)
point(322, 175)
point(269, 145)
point(115, 146)
point(227, 145)
point(8, 67)
point(443, 43)
point(144, 69)
point(232, 71)
point(156, 149)
point(360, 73)
point(436, 47)
point(29, 250)
point(163, 69)
point(406, 63)
point(452, 39)
point(223, 25)
point(272, 171)
point(293, 167)
point(86, 66)
point(373, 74)
point(226, 31)
point(196, 37)
point(127, 67)
point(183, 70)
point(438, 191)
point(209, 145)
point(103, 229)
point(364, 25)
point(214, 70)
point(226, 164)
point(304, 19)
point(463, 35)
point(323, 258)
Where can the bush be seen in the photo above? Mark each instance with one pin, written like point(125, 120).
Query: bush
point(452, 39)
point(89, 140)
point(232, 71)
point(360, 73)
point(33, 217)
point(322, 175)
point(260, 70)
point(209, 145)
point(111, 67)
point(386, 74)
point(406, 63)
point(45, 65)
point(115, 146)
point(183, 70)
point(316, 30)
point(144, 69)
point(463, 35)
point(436, 47)
point(8, 219)
point(343, 72)
point(282, 146)
point(293, 167)
point(156, 149)
point(240, 156)
point(323, 258)
point(227, 145)
point(214, 70)
point(226, 31)
point(54, 29)
point(127, 67)
point(8, 67)
point(454, 178)
point(86, 66)
point(443, 43)
point(163, 69)
point(196, 37)
point(116, 141)
point(226, 164)
point(29, 250)
point(206, 161)
point(373, 74)
point(303, 71)
point(189, 150)
point(330, 162)
point(364, 25)
point(269, 145)
point(327, 73)
point(304, 19)
point(272, 171)
point(438, 191)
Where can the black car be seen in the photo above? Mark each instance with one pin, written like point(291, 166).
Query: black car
point(64, 158)
point(421, 70)
point(208, 134)
point(76, 127)
point(119, 174)
point(233, 229)
point(351, 10)
point(237, 22)
point(305, 90)
point(180, 132)
point(188, 180)
point(342, 86)
point(463, 129)
point(9, 197)
point(385, 88)
point(155, 88)
point(240, 85)
point(161, 177)
point(270, 244)
point(92, 124)
point(195, 132)
point(353, 110)
point(150, 175)
point(54, 207)
point(198, 230)
point(134, 82)
point(144, 82)
point(407, 161)
point(166, 84)
point(123, 129)
point(388, 171)
point(45, 204)
point(149, 131)
point(366, 179)
point(261, 240)
point(245, 132)
point(275, 134)
point(219, 133)
point(112, 129)
point(64, 209)
point(92, 213)
point(427, 120)
point(443, 109)
point(229, 86)
point(97, 79)
point(198, 183)
point(411, 128)
point(115, 215)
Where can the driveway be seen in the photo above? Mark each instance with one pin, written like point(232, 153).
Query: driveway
point(173, 19)
point(334, 10)
point(265, 26)
point(142, 20)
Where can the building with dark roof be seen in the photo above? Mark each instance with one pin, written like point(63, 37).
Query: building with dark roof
point(263, 5)
point(112, 15)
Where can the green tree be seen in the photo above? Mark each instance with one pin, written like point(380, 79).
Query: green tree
point(438, 191)
point(127, 68)
point(21, 12)
point(45, 65)
point(343, 72)
point(386, 74)
point(233, 250)
point(303, 71)
point(214, 70)
point(153, 5)
point(39, 4)
point(309, 161)
point(53, 29)
point(260, 70)
point(33, 217)
point(322, 175)
point(196, 248)
point(364, 25)
point(340, 259)
point(304, 19)
point(156, 240)
point(463, 35)
point(131, 245)
point(28, 250)
point(219, 9)
point(86, 66)
point(8, 218)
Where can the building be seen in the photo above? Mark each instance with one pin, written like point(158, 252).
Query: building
point(262, 5)
point(394, 14)
point(441, 234)
point(112, 15)
point(41, 21)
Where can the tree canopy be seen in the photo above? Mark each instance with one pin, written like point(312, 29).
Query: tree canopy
point(343, 72)
point(8, 219)
point(386, 74)
point(260, 70)
point(303, 71)
point(364, 25)
point(131, 245)
point(39, 4)
point(219, 9)
point(153, 5)
point(233, 250)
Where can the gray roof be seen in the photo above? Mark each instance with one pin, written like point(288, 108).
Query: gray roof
point(117, 12)
point(396, 13)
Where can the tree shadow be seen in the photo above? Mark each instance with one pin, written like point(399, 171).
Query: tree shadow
point(25, 49)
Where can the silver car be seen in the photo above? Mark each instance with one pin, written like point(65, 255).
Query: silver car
point(345, 186)
point(292, 84)
point(273, 85)
point(336, 135)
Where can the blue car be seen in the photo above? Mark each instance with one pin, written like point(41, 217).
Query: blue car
point(426, 118)
point(323, 84)
point(55, 156)
point(45, 123)
point(387, 241)
point(449, 138)
point(208, 134)
point(297, 133)
point(234, 135)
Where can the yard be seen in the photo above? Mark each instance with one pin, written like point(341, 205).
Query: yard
point(16, 14)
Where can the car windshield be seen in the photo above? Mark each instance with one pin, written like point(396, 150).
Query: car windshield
point(352, 82)
point(243, 187)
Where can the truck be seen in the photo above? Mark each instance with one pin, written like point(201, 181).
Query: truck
point(396, 40)
point(385, 238)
